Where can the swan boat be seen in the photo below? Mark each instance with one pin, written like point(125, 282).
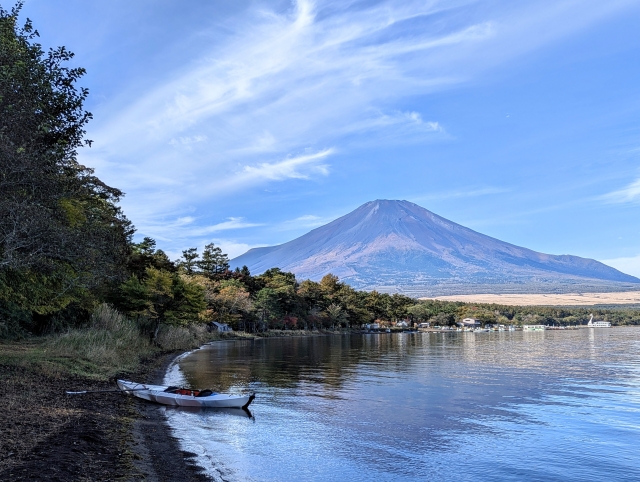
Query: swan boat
point(598, 323)
point(184, 397)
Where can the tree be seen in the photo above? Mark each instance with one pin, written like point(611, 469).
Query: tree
point(189, 260)
point(354, 304)
point(284, 286)
point(397, 306)
point(253, 284)
point(336, 315)
point(443, 319)
point(267, 304)
point(61, 232)
point(311, 300)
point(329, 284)
point(375, 304)
point(145, 255)
point(231, 303)
point(163, 297)
point(214, 261)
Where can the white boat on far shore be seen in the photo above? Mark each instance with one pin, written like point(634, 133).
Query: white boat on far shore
point(533, 327)
point(598, 323)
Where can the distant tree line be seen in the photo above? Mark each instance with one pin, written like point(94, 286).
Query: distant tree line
point(201, 288)
point(66, 247)
point(449, 313)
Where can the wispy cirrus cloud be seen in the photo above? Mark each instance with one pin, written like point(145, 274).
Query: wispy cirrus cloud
point(628, 194)
point(461, 193)
point(282, 82)
point(317, 78)
point(307, 221)
point(191, 227)
point(300, 167)
point(189, 231)
point(187, 141)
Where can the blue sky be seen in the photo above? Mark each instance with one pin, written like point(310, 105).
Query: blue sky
point(248, 123)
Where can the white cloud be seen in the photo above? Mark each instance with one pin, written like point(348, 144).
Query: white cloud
point(307, 221)
point(232, 223)
point(186, 141)
point(307, 218)
point(460, 193)
point(231, 248)
point(395, 127)
point(300, 167)
point(305, 166)
point(629, 265)
point(234, 249)
point(184, 228)
point(314, 79)
point(630, 193)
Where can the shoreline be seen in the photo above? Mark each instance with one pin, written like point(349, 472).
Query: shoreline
point(158, 453)
point(48, 435)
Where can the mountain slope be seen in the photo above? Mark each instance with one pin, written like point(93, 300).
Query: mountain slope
point(400, 244)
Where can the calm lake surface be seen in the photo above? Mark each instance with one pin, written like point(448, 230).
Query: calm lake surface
point(507, 406)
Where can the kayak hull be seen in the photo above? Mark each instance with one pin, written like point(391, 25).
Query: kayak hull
point(157, 394)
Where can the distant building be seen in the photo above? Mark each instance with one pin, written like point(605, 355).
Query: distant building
point(215, 326)
point(469, 322)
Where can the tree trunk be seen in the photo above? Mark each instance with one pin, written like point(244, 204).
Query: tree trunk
point(155, 332)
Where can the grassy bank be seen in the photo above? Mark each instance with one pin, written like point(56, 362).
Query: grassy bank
point(83, 437)
point(110, 345)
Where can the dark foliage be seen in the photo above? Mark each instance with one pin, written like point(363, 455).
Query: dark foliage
point(62, 236)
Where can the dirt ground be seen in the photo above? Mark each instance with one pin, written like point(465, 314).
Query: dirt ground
point(569, 299)
point(48, 435)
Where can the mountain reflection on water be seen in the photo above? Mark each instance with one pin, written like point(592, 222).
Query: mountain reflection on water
point(555, 405)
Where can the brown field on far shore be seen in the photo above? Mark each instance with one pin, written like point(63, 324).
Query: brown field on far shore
point(568, 299)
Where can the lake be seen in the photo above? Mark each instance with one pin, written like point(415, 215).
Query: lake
point(503, 406)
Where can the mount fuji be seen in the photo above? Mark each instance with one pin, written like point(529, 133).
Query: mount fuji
point(399, 246)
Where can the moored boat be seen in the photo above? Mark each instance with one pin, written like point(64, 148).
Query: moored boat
point(598, 323)
point(184, 397)
point(533, 327)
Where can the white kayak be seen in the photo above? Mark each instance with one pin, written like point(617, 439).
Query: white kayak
point(184, 398)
